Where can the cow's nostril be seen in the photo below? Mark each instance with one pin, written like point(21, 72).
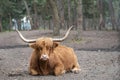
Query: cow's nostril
point(44, 57)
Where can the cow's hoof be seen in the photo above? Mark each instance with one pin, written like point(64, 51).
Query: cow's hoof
point(76, 70)
point(64, 71)
point(33, 72)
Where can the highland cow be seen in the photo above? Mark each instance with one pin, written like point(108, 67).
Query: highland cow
point(50, 57)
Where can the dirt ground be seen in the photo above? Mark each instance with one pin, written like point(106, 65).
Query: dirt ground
point(98, 54)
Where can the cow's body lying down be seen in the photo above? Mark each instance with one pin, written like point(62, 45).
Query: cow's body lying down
point(49, 57)
point(59, 59)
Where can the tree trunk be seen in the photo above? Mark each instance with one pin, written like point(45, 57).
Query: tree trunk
point(36, 25)
point(117, 13)
point(28, 12)
point(61, 13)
point(69, 12)
point(101, 21)
point(75, 14)
point(79, 19)
point(56, 28)
point(112, 15)
point(0, 24)
point(10, 22)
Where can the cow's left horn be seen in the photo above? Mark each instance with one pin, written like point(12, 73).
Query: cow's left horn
point(24, 39)
point(63, 38)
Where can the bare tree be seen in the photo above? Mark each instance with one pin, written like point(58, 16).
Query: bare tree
point(56, 28)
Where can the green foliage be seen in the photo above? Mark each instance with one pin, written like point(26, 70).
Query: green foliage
point(5, 24)
point(90, 8)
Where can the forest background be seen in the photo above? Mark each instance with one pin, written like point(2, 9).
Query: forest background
point(61, 14)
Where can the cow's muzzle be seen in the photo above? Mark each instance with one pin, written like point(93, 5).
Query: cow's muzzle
point(44, 57)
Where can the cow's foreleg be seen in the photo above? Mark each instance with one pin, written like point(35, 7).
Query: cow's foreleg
point(34, 70)
point(34, 65)
point(59, 69)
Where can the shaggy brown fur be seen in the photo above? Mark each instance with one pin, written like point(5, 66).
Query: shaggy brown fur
point(50, 57)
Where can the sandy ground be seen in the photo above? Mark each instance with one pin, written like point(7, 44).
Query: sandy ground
point(98, 55)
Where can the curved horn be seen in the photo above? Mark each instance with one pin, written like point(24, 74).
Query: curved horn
point(24, 39)
point(63, 38)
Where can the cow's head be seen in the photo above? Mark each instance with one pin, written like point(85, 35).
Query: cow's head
point(44, 45)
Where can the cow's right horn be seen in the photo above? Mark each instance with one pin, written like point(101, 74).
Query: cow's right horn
point(24, 39)
point(63, 38)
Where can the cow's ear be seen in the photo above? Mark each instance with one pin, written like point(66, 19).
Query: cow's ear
point(33, 45)
point(55, 44)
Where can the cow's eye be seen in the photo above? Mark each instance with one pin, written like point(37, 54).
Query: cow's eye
point(39, 48)
point(48, 48)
